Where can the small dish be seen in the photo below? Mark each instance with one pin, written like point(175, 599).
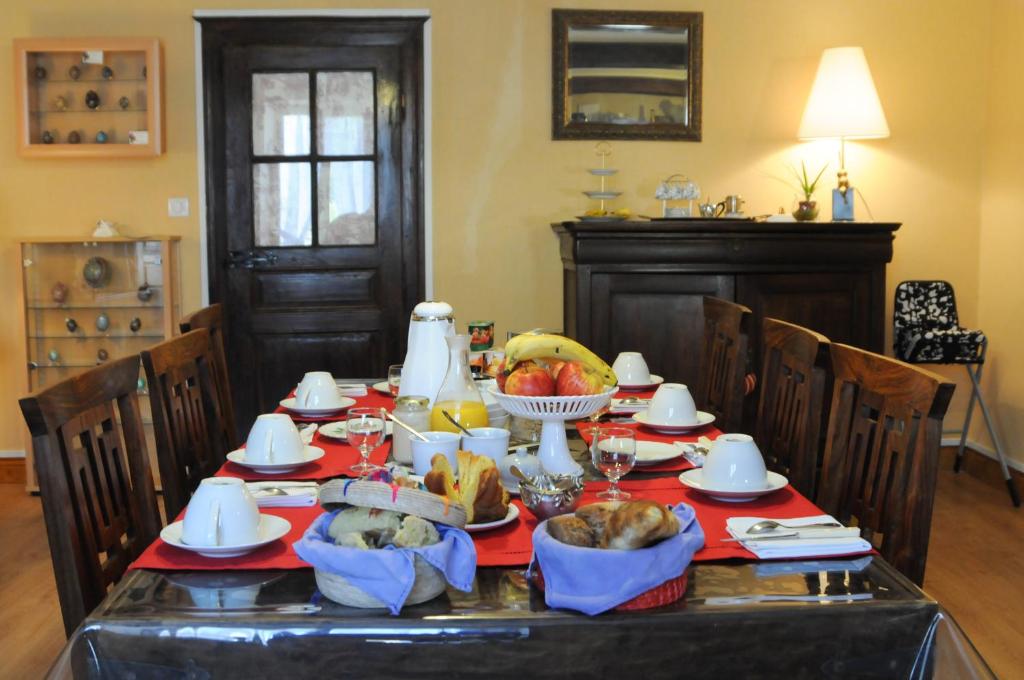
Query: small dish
point(694, 478)
point(602, 172)
point(652, 453)
point(511, 516)
point(270, 529)
point(655, 381)
point(383, 387)
point(289, 405)
point(603, 195)
point(339, 430)
point(309, 454)
point(674, 428)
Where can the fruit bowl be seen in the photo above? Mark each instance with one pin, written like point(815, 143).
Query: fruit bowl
point(553, 412)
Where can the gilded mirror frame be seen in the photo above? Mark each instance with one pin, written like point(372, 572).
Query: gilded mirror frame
point(563, 127)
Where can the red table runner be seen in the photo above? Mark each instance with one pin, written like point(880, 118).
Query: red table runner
point(276, 555)
point(585, 429)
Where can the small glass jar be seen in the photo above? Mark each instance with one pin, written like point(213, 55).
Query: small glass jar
point(414, 411)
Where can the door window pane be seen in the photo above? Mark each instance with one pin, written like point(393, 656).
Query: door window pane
point(280, 114)
point(347, 203)
point(344, 113)
point(282, 204)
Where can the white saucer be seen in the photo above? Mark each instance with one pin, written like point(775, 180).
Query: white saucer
point(693, 479)
point(339, 430)
point(513, 513)
point(655, 381)
point(652, 453)
point(382, 387)
point(271, 528)
point(310, 454)
point(289, 404)
point(670, 428)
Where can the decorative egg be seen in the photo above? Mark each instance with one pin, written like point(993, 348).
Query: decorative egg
point(102, 322)
point(47, 137)
point(54, 355)
point(40, 73)
point(124, 102)
point(60, 104)
point(101, 137)
point(74, 73)
point(145, 293)
point(135, 324)
point(108, 73)
point(59, 293)
point(92, 99)
point(74, 137)
point(141, 384)
point(101, 354)
point(71, 324)
point(96, 272)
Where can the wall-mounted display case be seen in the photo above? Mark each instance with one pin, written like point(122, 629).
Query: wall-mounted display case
point(87, 302)
point(88, 97)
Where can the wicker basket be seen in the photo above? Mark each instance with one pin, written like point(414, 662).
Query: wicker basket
point(429, 584)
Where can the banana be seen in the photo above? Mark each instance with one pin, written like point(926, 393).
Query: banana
point(543, 345)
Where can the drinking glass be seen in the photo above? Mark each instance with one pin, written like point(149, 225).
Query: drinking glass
point(394, 378)
point(613, 453)
point(365, 431)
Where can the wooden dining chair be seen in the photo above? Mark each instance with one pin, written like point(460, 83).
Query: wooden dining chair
point(99, 502)
point(882, 452)
point(723, 362)
point(794, 373)
point(212, 319)
point(190, 440)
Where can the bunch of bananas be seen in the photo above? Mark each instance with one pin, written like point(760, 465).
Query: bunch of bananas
point(534, 345)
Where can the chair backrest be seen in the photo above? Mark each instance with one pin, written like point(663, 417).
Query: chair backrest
point(882, 452)
point(928, 304)
point(723, 362)
point(186, 415)
point(99, 502)
point(212, 319)
point(790, 412)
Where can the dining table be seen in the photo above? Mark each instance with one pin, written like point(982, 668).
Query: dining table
point(850, 616)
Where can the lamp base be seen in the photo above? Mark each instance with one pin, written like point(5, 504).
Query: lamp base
point(842, 205)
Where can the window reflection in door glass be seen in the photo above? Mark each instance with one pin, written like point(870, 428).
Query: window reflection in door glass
point(282, 204)
point(347, 203)
point(280, 114)
point(344, 113)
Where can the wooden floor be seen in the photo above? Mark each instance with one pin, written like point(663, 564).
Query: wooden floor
point(975, 569)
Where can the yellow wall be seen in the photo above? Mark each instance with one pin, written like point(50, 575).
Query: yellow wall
point(499, 179)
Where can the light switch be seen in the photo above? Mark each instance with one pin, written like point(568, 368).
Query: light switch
point(177, 207)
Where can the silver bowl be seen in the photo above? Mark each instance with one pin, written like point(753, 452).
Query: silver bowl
point(546, 501)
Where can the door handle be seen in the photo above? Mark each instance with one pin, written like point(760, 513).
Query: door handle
point(249, 259)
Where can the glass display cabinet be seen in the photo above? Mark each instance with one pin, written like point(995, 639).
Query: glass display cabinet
point(88, 302)
point(80, 97)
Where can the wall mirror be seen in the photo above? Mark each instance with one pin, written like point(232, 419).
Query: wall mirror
point(626, 75)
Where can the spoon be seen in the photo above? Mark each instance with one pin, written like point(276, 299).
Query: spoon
point(767, 525)
point(405, 427)
point(456, 423)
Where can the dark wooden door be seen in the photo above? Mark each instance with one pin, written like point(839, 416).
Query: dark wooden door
point(314, 189)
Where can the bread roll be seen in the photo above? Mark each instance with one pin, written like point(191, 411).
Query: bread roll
point(638, 525)
point(571, 530)
point(596, 516)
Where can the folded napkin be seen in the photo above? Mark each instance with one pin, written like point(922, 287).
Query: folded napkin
point(592, 581)
point(691, 452)
point(388, 573)
point(296, 494)
point(352, 389)
point(804, 543)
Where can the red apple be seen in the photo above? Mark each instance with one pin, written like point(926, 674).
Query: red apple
point(530, 380)
point(555, 367)
point(576, 378)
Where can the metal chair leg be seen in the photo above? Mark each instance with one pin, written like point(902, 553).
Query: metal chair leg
point(1011, 483)
point(967, 423)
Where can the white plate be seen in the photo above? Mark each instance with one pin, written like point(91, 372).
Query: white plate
point(513, 513)
point(655, 381)
point(289, 404)
point(670, 428)
point(652, 453)
point(339, 430)
point(310, 454)
point(694, 480)
point(382, 387)
point(271, 528)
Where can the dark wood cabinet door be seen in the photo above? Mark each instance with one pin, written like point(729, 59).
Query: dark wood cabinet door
point(658, 314)
point(313, 147)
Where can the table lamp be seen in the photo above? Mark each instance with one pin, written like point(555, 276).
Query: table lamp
point(843, 104)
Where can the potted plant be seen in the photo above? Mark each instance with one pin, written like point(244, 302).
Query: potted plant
point(807, 210)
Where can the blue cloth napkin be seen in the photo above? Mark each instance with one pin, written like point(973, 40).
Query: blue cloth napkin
point(593, 581)
point(388, 573)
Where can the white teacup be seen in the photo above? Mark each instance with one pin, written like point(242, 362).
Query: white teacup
point(274, 439)
point(528, 464)
point(672, 404)
point(317, 390)
point(437, 442)
point(734, 463)
point(631, 369)
point(487, 441)
point(221, 512)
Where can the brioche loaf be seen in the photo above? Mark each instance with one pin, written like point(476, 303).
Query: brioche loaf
point(479, 488)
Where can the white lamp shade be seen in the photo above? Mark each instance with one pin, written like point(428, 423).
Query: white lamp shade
point(843, 101)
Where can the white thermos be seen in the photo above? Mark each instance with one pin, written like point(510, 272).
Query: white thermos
point(426, 360)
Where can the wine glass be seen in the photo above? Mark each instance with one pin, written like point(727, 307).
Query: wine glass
point(613, 453)
point(394, 378)
point(365, 431)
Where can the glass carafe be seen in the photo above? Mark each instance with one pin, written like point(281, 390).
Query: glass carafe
point(458, 395)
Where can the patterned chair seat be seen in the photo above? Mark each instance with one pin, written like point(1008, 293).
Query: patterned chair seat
point(927, 328)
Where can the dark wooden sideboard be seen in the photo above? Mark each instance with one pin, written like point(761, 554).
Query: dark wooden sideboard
point(638, 285)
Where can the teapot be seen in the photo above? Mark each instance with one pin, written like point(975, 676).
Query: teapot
point(426, 360)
